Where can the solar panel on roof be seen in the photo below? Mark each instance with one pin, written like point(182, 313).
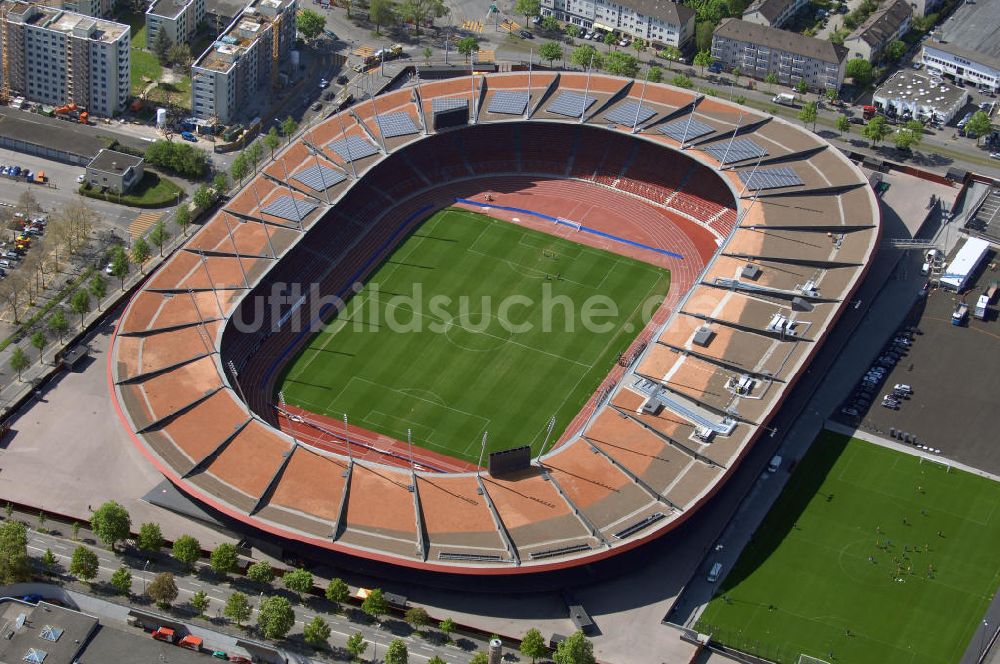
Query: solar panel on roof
point(625, 114)
point(770, 178)
point(352, 148)
point(739, 149)
point(288, 207)
point(395, 124)
point(685, 130)
point(448, 103)
point(511, 102)
point(571, 104)
point(319, 177)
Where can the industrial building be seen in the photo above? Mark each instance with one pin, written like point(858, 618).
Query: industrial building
point(179, 19)
point(966, 47)
point(758, 50)
point(58, 57)
point(656, 21)
point(921, 96)
point(244, 61)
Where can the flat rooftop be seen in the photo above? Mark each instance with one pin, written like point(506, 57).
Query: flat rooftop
point(916, 87)
point(167, 8)
point(110, 161)
point(972, 28)
point(240, 35)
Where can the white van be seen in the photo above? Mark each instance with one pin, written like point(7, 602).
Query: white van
point(713, 574)
point(925, 269)
point(775, 464)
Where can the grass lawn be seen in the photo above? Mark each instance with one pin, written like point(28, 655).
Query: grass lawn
point(468, 364)
point(869, 555)
point(152, 191)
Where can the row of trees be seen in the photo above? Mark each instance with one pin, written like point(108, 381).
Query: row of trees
point(179, 157)
point(247, 160)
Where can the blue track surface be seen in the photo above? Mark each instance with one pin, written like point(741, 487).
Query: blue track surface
point(583, 228)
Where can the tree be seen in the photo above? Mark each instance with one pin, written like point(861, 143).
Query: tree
point(670, 54)
point(356, 644)
point(809, 113)
point(381, 12)
point(239, 169)
point(200, 602)
point(161, 47)
point(435, 660)
point(237, 608)
point(876, 130)
point(48, 561)
point(843, 124)
point(38, 340)
point(310, 23)
point(159, 235)
point(182, 217)
point(417, 616)
point(621, 64)
point(703, 59)
point(447, 626)
point(654, 75)
point(261, 572)
point(832, 94)
point(121, 580)
point(396, 653)
point(298, 581)
point(83, 564)
point(14, 564)
point(220, 181)
point(119, 265)
point(551, 51)
point(179, 54)
point(140, 252)
point(770, 79)
point(272, 140)
point(586, 56)
point(254, 152)
point(639, 45)
point(682, 81)
point(163, 589)
point(58, 324)
point(79, 304)
point(337, 591)
point(533, 645)
point(551, 24)
point(528, 8)
point(179, 157)
point(979, 125)
point(480, 658)
point(111, 522)
point(187, 550)
point(467, 46)
point(316, 631)
point(577, 649)
point(860, 71)
point(28, 203)
point(275, 617)
point(98, 287)
point(895, 50)
point(288, 127)
point(19, 361)
point(375, 605)
point(203, 197)
point(610, 40)
point(150, 537)
point(224, 559)
point(428, 52)
point(909, 135)
point(418, 11)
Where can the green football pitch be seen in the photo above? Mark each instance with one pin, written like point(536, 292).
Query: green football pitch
point(868, 555)
point(475, 325)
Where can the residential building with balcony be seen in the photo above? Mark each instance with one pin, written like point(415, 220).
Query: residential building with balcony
point(179, 19)
point(58, 57)
point(655, 21)
point(773, 13)
point(94, 8)
point(243, 62)
point(758, 50)
point(885, 25)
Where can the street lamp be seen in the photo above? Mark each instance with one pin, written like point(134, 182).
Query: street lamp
point(982, 641)
point(144, 577)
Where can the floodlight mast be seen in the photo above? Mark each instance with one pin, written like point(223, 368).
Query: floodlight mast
point(586, 90)
point(638, 109)
point(347, 145)
point(482, 451)
point(347, 439)
point(548, 432)
point(731, 139)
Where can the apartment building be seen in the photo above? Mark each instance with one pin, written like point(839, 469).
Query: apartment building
point(885, 25)
point(59, 57)
point(655, 21)
point(773, 13)
point(244, 61)
point(925, 7)
point(758, 50)
point(95, 8)
point(179, 19)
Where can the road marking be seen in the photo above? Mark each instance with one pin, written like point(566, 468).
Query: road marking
point(141, 224)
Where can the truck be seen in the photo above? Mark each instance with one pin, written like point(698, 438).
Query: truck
point(784, 98)
point(967, 260)
point(868, 112)
point(163, 634)
point(982, 305)
point(960, 314)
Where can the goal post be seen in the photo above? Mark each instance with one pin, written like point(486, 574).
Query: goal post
point(944, 464)
point(575, 225)
point(809, 659)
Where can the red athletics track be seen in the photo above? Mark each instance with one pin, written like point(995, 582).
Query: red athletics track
point(601, 208)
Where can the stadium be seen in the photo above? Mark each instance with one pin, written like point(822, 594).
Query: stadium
point(731, 239)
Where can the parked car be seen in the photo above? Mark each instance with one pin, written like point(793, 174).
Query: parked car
point(317, 106)
point(918, 65)
point(80, 178)
point(323, 84)
point(342, 80)
point(525, 34)
point(188, 136)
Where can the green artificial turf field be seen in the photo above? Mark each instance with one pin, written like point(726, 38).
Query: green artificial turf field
point(462, 373)
point(868, 556)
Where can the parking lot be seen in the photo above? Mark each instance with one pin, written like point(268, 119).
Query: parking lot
point(953, 373)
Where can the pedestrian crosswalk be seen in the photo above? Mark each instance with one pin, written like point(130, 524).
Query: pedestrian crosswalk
point(509, 25)
point(363, 51)
point(486, 55)
point(141, 224)
point(473, 26)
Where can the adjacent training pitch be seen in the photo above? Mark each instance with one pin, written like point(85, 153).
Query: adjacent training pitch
point(475, 325)
point(869, 555)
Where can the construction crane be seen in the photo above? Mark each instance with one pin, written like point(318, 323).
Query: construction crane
point(5, 86)
point(275, 49)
